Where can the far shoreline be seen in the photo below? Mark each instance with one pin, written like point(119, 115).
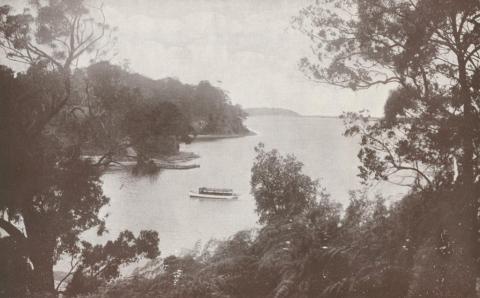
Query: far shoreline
point(208, 137)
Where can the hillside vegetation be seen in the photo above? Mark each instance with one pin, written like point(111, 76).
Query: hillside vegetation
point(151, 116)
point(207, 108)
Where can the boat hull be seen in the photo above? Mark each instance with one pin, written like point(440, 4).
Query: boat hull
point(197, 195)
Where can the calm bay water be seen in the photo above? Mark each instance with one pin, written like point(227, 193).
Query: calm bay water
point(161, 203)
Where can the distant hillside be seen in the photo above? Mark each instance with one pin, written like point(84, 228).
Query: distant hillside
point(271, 111)
point(207, 108)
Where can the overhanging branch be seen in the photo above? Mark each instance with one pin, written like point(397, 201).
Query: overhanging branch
point(12, 230)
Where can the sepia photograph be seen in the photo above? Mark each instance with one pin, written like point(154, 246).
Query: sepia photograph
point(240, 148)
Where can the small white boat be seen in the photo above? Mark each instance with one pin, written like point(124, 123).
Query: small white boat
point(213, 193)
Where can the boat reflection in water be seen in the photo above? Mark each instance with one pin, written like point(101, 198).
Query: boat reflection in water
point(213, 193)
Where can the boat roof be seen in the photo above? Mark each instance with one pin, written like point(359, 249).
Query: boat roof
point(209, 189)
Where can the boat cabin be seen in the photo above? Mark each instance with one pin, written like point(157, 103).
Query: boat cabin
point(215, 191)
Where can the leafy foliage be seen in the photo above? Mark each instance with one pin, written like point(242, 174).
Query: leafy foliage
point(429, 50)
point(279, 187)
point(55, 32)
point(101, 263)
point(50, 194)
point(206, 107)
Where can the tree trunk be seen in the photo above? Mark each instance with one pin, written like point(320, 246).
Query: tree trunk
point(41, 246)
point(468, 183)
point(42, 279)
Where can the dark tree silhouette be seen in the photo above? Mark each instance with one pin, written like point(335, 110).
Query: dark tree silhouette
point(429, 50)
point(49, 193)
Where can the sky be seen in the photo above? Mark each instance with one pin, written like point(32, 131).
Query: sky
point(247, 47)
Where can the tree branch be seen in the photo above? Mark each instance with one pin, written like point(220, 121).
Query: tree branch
point(12, 230)
point(70, 272)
